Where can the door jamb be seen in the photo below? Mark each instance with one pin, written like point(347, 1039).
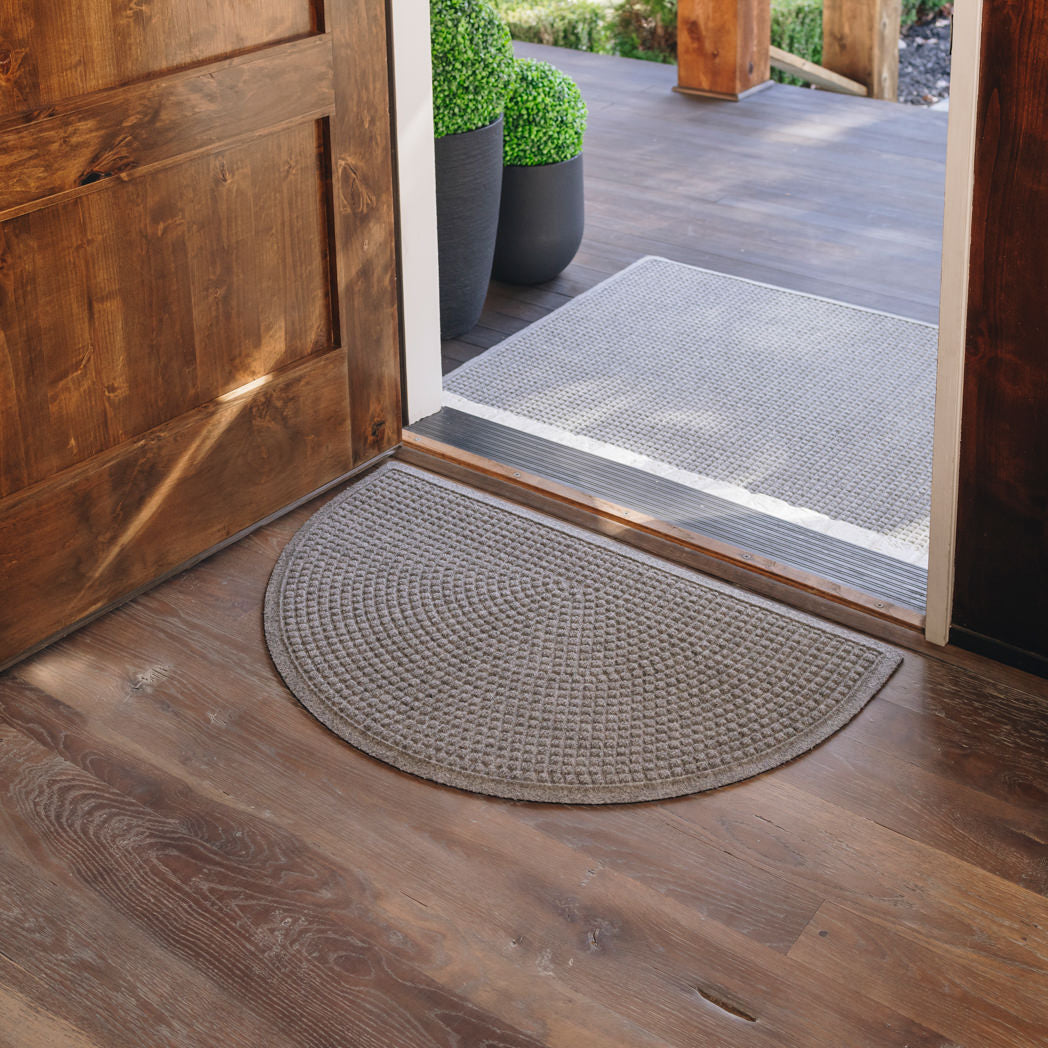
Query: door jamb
point(417, 204)
point(953, 314)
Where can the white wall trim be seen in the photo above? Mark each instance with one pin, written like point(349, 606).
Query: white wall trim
point(420, 294)
point(953, 314)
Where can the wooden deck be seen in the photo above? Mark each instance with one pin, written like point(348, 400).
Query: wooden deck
point(823, 193)
point(187, 858)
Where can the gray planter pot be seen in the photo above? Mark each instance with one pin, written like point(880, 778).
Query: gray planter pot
point(469, 181)
point(541, 220)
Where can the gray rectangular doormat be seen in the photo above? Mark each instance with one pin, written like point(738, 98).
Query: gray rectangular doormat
point(807, 409)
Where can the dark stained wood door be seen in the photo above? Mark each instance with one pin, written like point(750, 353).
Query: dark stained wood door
point(198, 319)
point(1001, 591)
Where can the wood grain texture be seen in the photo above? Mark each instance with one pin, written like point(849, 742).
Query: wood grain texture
point(860, 40)
point(70, 148)
point(722, 45)
point(1002, 526)
point(195, 204)
point(51, 51)
point(126, 308)
point(972, 1003)
point(155, 773)
point(362, 172)
point(76, 542)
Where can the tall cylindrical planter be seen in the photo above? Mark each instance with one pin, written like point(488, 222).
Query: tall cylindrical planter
point(541, 220)
point(469, 182)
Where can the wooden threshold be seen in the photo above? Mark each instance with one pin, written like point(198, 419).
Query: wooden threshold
point(755, 572)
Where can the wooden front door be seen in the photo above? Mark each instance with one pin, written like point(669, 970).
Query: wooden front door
point(198, 320)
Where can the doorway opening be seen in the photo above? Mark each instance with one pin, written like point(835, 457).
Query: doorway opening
point(825, 196)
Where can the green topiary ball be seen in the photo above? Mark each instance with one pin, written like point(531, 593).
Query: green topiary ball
point(545, 116)
point(472, 65)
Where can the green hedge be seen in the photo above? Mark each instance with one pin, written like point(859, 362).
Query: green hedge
point(647, 28)
point(634, 28)
point(796, 26)
point(583, 25)
point(912, 8)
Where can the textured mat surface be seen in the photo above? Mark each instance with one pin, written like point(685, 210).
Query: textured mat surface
point(481, 645)
point(811, 410)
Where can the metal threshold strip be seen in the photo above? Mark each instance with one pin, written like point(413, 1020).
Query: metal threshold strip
point(847, 574)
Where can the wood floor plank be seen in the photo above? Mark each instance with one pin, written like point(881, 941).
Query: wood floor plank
point(939, 719)
point(83, 970)
point(271, 922)
point(677, 961)
point(32, 1026)
point(965, 823)
point(876, 872)
point(970, 1000)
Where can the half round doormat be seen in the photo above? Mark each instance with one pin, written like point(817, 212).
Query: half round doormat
point(479, 644)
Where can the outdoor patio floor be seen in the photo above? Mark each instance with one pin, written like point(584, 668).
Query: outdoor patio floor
point(827, 194)
point(817, 192)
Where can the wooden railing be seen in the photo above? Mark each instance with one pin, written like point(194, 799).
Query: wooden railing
point(724, 48)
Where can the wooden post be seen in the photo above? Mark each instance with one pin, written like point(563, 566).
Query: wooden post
point(722, 47)
point(860, 40)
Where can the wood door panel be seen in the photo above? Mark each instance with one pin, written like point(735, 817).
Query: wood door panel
point(198, 302)
point(52, 50)
point(150, 505)
point(73, 148)
point(158, 295)
point(1001, 595)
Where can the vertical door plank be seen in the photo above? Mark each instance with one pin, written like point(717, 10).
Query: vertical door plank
point(362, 173)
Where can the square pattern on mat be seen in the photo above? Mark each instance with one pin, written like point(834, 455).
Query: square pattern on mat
point(477, 643)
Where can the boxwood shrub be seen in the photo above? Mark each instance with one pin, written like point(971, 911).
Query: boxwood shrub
point(472, 65)
point(545, 116)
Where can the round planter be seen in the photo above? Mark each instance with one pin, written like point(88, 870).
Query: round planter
point(469, 180)
point(541, 219)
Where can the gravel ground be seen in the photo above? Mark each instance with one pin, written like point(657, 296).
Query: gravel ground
point(924, 62)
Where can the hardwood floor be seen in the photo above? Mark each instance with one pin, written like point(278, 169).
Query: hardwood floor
point(187, 858)
point(823, 193)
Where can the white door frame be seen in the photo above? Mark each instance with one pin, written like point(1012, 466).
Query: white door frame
point(418, 245)
point(953, 313)
point(417, 202)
